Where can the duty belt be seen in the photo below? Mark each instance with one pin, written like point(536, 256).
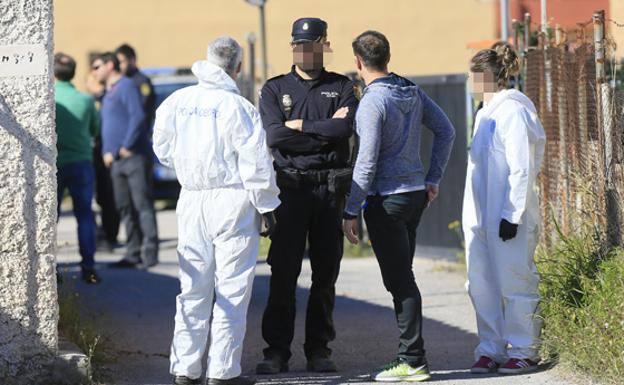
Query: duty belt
point(291, 176)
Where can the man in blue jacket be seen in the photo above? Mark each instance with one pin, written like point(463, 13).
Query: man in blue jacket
point(126, 150)
point(389, 176)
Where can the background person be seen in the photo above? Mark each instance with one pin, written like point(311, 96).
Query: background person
point(501, 217)
point(104, 195)
point(76, 126)
point(214, 140)
point(126, 149)
point(128, 66)
point(391, 178)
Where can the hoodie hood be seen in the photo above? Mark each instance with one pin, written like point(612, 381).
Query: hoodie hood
point(213, 77)
point(399, 90)
point(512, 94)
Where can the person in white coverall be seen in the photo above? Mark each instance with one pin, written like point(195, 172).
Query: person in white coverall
point(501, 217)
point(213, 138)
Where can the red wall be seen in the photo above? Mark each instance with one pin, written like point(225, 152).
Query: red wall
point(567, 13)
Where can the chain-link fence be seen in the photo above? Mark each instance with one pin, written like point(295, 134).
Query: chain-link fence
point(574, 85)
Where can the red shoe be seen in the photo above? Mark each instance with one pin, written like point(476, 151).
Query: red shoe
point(484, 365)
point(518, 366)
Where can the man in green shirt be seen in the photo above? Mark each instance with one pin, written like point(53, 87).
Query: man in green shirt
point(76, 126)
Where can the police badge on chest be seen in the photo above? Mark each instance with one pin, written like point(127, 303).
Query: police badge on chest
point(287, 102)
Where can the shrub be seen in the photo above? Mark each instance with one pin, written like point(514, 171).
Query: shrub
point(582, 290)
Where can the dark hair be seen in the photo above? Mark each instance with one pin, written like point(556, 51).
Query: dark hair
point(64, 67)
point(108, 57)
point(127, 51)
point(502, 62)
point(374, 50)
point(499, 44)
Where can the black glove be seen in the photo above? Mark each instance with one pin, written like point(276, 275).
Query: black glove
point(507, 230)
point(268, 224)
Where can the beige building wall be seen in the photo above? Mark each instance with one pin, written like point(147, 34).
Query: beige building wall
point(617, 14)
point(427, 37)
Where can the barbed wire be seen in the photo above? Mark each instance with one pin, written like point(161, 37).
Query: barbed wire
point(580, 30)
point(619, 25)
point(580, 25)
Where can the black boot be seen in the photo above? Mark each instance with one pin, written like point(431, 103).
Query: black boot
point(90, 276)
point(184, 380)
point(240, 380)
point(272, 365)
point(321, 365)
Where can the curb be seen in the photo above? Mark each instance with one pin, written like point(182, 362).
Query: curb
point(72, 366)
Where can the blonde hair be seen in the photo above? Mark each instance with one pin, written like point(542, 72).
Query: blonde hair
point(501, 60)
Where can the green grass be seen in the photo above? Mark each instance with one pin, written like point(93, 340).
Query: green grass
point(81, 330)
point(363, 249)
point(582, 290)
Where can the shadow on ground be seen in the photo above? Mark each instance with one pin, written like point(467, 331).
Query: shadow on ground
point(135, 310)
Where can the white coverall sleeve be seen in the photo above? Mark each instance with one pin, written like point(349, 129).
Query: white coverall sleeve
point(165, 133)
point(515, 130)
point(255, 163)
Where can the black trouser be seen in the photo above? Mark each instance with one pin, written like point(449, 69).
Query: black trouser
point(132, 183)
point(392, 221)
point(104, 196)
point(307, 213)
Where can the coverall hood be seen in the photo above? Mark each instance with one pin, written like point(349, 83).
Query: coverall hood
point(213, 138)
point(512, 94)
point(213, 77)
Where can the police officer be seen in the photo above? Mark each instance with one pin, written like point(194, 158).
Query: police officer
point(308, 115)
point(127, 63)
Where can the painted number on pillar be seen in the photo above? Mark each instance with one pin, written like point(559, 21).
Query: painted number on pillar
point(23, 60)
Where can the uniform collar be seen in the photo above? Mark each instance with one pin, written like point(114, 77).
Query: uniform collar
point(132, 71)
point(311, 82)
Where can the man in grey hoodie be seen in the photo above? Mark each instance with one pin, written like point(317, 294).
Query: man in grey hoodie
point(390, 182)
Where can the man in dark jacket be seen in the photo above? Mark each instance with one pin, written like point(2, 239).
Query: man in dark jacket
point(128, 66)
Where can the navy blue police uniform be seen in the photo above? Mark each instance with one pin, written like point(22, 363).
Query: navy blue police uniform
point(144, 84)
point(309, 164)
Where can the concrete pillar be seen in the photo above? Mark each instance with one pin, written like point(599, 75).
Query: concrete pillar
point(28, 297)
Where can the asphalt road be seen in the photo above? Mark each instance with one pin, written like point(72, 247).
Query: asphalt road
point(134, 311)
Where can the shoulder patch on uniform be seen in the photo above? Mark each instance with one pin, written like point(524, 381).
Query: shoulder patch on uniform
point(145, 89)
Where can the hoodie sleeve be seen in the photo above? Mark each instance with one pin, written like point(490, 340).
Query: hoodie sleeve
point(514, 129)
point(254, 160)
point(164, 136)
point(444, 135)
point(369, 121)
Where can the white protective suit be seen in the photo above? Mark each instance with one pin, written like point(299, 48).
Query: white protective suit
point(504, 160)
point(214, 140)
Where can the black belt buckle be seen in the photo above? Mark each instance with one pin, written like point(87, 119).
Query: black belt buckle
point(288, 179)
point(297, 178)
